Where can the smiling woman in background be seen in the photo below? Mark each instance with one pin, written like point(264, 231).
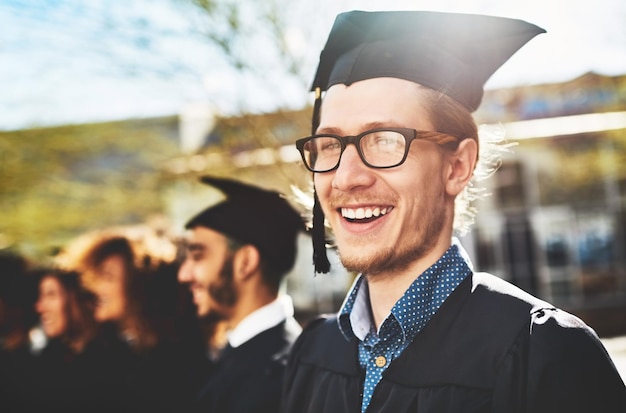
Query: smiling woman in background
point(66, 369)
point(114, 269)
point(65, 310)
point(144, 355)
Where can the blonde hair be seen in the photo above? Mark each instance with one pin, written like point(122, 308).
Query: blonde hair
point(451, 118)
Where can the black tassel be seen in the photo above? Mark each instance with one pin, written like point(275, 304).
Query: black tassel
point(315, 119)
point(320, 258)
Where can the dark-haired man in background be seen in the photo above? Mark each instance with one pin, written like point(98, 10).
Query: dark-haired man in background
point(238, 252)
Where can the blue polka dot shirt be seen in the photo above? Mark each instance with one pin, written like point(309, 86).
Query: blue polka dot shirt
point(377, 349)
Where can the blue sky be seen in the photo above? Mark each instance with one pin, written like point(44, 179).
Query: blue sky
point(75, 61)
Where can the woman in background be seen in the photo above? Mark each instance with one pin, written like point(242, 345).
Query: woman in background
point(66, 367)
point(66, 310)
point(145, 356)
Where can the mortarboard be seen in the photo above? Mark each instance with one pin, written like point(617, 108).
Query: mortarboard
point(252, 215)
point(449, 52)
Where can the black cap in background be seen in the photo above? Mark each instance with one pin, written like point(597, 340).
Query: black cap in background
point(253, 215)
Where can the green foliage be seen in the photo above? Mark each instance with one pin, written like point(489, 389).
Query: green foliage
point(58, 182)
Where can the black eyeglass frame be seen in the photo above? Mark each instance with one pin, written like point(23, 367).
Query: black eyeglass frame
point(409, 135)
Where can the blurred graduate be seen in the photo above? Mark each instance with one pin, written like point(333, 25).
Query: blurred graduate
point(238, 253)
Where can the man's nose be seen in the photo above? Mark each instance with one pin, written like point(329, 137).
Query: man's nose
point(184, 272)
point(352, 173)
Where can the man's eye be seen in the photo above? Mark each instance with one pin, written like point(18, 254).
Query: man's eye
point(382, 140)
point(330, 146)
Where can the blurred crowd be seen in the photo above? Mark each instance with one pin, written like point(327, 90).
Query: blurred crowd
point(103, 326)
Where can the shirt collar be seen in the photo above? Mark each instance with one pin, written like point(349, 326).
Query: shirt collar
point(264, 318)
point(355, 314)
point(355, 317)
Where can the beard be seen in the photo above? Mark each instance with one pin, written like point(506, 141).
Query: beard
point(400, 257)
point(223, 292)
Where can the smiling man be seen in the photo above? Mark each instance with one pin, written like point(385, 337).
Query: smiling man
point(393, 154)
point(238, 252)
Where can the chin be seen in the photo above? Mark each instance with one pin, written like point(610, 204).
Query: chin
point(380, 260)
point(203, 313)
point(55, 334)
point(357, 263)
point(359, 258)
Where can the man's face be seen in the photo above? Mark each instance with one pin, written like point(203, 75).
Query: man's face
point(207, 270)
point(51, 307)
point(401, 210)
point(109, 287)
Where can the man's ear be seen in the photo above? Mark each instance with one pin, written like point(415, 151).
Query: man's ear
point(461, 166)
point(246, 262)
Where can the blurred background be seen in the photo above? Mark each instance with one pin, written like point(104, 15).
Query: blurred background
point(110, 110)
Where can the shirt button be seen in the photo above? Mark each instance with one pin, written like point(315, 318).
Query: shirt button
point(380, 361)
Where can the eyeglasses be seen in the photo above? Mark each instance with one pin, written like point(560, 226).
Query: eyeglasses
point(377, 148)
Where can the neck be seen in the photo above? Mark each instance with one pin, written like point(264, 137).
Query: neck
point(216, 338)
point(387, 288)
point(251, 298)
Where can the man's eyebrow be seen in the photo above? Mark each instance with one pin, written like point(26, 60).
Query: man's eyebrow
point(365, 127)
point(195, 247)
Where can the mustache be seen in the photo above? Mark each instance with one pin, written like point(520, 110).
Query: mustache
point(339, 200)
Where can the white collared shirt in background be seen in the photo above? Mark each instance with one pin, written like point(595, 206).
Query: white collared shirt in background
point(258, 321)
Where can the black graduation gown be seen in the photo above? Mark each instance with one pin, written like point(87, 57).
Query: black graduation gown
point(55, 379)
point(17, 370)
point(490, 348)
point(67, 381)
point(248, 379)
point(154, 380)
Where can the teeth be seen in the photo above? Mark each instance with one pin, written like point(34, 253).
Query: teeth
point(362, 213)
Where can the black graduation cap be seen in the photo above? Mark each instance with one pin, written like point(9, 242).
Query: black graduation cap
point(453, 53)
point(253, 215)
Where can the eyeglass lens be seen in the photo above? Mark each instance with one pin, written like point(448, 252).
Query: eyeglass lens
point(378, 149)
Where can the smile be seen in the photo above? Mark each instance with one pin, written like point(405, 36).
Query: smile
point(364, 213)
point(101, 302)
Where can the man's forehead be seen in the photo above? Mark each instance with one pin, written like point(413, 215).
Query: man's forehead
point(374, 103)
point(200, 236)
